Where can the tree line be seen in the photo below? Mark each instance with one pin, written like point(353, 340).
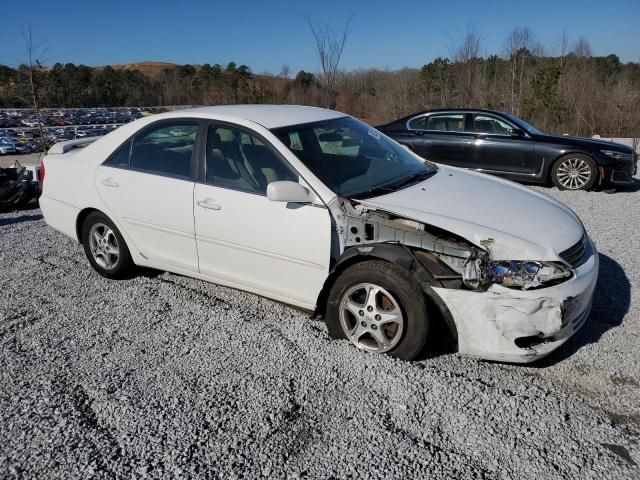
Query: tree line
point(567, 91)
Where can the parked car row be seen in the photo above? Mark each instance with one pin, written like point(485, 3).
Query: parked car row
point(502, 144)
point(28, 140)
point(69, 116)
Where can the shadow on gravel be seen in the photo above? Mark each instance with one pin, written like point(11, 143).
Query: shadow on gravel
point(611, 302)
point(20, 219)
point(631, 188)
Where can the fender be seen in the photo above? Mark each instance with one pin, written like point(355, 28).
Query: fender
point(426, 269)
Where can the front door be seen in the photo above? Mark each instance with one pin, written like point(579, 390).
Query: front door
point(275, 249)
point(495, 150)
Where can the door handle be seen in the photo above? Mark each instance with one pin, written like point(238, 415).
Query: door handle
point(209, 203)
point(109, 182)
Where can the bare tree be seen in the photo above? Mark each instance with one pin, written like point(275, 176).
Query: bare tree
point(33, 63)
point(285, 71)
point(329, 46)
point(582, 48)
point(518, 47)
point(465, 52)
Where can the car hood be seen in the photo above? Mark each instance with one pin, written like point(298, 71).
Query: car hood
point(511, 221)
point(584, 142)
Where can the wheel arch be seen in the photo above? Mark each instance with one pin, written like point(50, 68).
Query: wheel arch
point(82, 216)
point(403, 257)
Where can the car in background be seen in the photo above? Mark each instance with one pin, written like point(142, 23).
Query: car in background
point(502, 144)
point(316, 209)
point(7, 148)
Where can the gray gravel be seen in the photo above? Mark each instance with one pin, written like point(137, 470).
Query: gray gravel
point(28, 159)
point(169, 377)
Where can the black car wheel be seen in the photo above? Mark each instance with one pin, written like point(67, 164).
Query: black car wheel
point(574, 172)
point(380, 309)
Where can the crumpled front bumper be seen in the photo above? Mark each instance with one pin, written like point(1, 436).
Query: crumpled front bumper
point(521, 326)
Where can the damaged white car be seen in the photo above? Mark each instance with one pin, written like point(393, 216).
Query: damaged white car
point(316, 209)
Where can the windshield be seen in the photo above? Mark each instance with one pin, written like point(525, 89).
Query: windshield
point(528, 127)
point(352, 158)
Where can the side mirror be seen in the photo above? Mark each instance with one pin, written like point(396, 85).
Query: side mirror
point(287, 191)
point(516, 132)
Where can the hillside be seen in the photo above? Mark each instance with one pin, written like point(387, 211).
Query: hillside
point(149, 68)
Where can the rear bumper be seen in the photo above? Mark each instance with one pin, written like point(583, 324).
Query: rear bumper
point(521, 326)
point(59, 215)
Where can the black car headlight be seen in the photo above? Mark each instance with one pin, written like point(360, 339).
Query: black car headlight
point(513, 273)
point(627, 157)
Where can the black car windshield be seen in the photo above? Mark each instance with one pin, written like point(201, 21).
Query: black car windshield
point(527, 126)
point(354, 159)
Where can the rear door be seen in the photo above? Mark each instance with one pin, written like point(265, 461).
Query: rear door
point(244, 239)
point(148, 185)
point(496, 150)
point(441, 137)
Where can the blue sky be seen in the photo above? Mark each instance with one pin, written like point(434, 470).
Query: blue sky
point(267, 34)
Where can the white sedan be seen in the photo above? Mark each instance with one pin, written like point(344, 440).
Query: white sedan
point(316, 209)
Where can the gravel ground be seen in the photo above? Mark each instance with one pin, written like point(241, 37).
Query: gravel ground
point(166, 376)
point(28, 159)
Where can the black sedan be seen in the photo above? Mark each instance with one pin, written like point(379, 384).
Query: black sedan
point(502, 144)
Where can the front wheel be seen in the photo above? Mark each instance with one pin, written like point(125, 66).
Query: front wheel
point(574, 172)
point(380, 309)
point(105, 247)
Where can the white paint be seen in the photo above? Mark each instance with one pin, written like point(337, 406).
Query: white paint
point(273, 246)
point(489, 323)
point(524, 224)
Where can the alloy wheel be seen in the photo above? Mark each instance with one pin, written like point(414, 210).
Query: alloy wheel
point(371, 318)
point(574, 173)
point(104, 246)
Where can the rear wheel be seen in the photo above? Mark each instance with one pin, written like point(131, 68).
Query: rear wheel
point(574, 172)
point(105, 248)
point(379, 309)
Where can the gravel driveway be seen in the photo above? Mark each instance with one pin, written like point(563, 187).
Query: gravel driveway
point(166, 376)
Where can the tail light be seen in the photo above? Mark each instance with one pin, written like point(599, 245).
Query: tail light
point(41, 172)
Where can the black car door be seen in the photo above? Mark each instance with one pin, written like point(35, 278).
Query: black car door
point(440, 137)
point(501, 148)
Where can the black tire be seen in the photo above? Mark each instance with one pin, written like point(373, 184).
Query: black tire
point(408, 297)
point(122, 267)
point(562, 182)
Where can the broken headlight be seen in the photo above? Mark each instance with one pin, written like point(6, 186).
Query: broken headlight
point(513, 273)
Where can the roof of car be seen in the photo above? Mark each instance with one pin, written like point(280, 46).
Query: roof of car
point(436, 110)
point(270, 116)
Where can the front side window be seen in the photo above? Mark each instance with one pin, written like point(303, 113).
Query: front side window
point(354, 159)
point(418, 123)
point(165, 149)
point(238, 160)
point(522, 124)
point(445, 122)
point(489, 124)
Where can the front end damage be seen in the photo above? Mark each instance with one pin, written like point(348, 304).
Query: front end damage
point(494, 318)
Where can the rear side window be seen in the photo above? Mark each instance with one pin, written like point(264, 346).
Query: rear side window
point(165, 149)
point(121, 157)
point(445, 122)
point(238, 160)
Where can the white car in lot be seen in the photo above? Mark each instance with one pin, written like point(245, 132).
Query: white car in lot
point(316, 209)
